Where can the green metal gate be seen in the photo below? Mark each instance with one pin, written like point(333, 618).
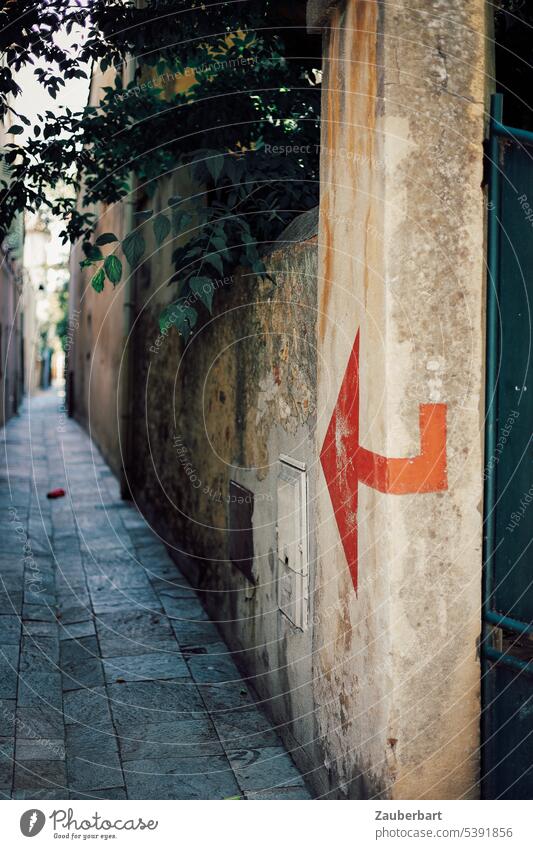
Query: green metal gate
point(507, 645)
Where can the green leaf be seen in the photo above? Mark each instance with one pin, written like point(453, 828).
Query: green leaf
point(113, 269)
point(183, 285)
point(219, 243)
point(203, 288)
point(162, 227)
point(133, 247)
point(98, 280)
point(106, 239)
point(251, 254)
point(181, 315)
point(258, 267)
point(15, 130)
point(178, 256)
point(215, 165)
point(216, 262)
point(180, 220)
point(192, 253)
point(92, 252)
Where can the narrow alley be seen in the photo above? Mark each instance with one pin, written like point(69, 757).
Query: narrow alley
point(114, 682)
point(266, 275)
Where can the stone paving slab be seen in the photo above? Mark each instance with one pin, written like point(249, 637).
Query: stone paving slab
point(37, 793)
point(108, 793)
point(88, 708)
point(39, 720)
point(124, 578)
point(8, 708)
point(146, 667)
point(38, 612)
point(37, 688)
point(39, 629)
point(264, 768)
point(288, 794)
point(77, 630)
point(215, 666)
point(38, 648)
point(40, 749)
point(244, 727)
point(192, 635)
point(227, 696)
point(93, 762)
point(158, 701)
point(113, 600)
point(179, 739)
point(10, 603)
point(114, 682)
point(49, 774)
point(80, 664)
point(7, 753)
point(183, 609)
point(181, 778)
point(9, 630)
point(9, 656)
point(133, 632)
point(42, 656)
point(178, 588)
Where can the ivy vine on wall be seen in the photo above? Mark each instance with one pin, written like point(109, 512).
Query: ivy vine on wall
point(228, 92)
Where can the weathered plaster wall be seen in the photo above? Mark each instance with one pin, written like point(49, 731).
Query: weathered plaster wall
point(439, 330)
point(11, 376)
point(99, 324)
point(401, 259)
point(352, 643)
point(34, 261)
point(224, 407)
point(96, 355)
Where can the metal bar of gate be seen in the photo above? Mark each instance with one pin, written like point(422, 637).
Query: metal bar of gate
point(509, 660)
point(499, 129)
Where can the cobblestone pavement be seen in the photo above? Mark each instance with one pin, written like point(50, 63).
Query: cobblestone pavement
point(114, 683)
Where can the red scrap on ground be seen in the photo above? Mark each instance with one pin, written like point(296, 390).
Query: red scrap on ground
point(56, 493)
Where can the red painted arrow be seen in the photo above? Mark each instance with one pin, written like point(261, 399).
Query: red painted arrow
point(346, 463)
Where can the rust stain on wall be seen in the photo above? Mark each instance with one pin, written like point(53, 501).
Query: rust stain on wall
point(328, 268)
point(350, 109)
point(333, 85)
